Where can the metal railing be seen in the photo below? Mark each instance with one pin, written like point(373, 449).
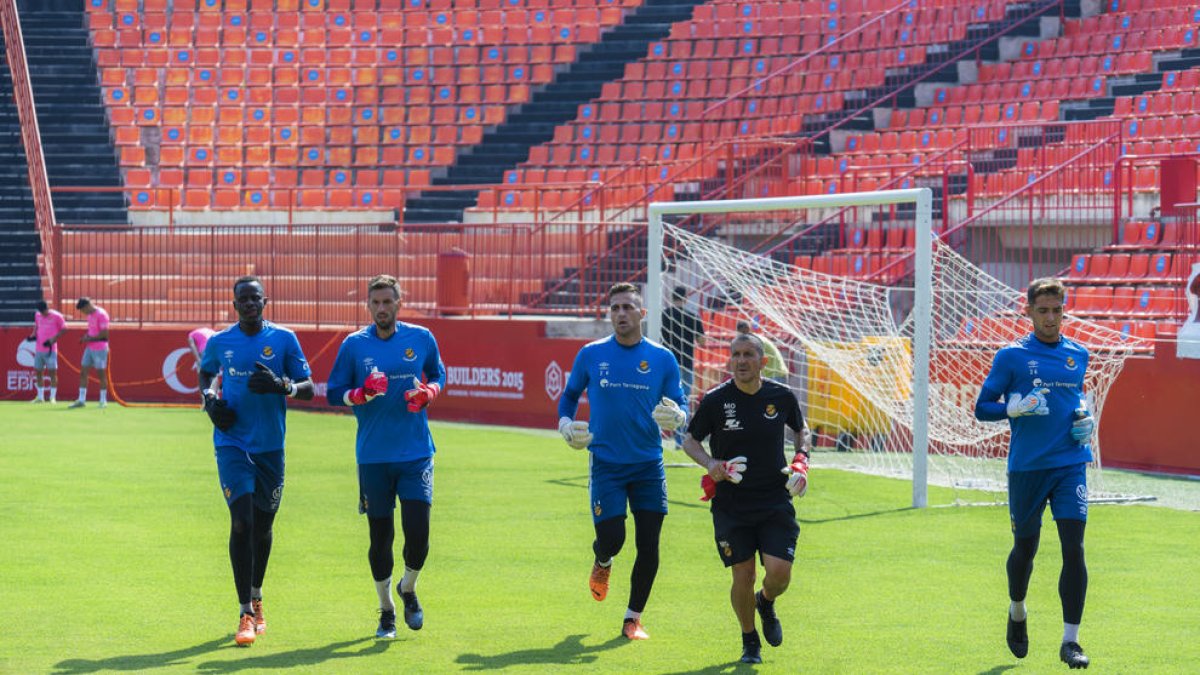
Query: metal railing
point(31, 137)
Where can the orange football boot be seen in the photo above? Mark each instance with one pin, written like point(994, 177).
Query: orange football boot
point(598, 581)
point(245, 633)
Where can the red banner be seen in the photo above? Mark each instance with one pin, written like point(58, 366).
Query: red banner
point(508, 372)
point(497, 372)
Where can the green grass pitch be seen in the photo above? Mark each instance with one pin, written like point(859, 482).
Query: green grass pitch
point(114, 559)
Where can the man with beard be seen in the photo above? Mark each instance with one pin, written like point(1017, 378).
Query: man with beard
point(393, 448)
point(634, 392)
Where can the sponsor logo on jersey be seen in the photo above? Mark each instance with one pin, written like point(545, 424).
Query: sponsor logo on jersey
point(771, 413)
point(1033, 366)
point(644, 367)
point(733, 424)
point(409, 354)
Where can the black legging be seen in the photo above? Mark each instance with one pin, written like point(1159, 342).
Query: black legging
point(250, 537)
point(414, 520)
point(610, 537)
point(1072, 581)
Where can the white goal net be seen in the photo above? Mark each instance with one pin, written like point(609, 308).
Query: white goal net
point(846, 305)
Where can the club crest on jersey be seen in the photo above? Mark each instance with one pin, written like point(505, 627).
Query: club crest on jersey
point(267, 352)
point(1071, 363)
point(771, 413)
point(228, 492)
point(644, 367)
point(596, 509)
point(409, 354)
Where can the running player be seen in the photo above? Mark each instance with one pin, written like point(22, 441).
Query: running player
point(260, 364)
point(634, 392)
point(1036, 384)
point(393, 448)
point(752, 484)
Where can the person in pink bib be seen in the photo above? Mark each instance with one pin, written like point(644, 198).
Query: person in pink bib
point(48, 326)
point(197, 341)
point(95, 353)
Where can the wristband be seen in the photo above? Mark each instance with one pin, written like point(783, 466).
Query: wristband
point(291, 389)
point(208, 393)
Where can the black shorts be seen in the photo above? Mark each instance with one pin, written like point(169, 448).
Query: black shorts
point(771, 530)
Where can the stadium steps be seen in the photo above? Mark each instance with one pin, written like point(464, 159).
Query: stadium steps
point(856, 116)
point(533, 123)
point(75, 132)
point(624, 251)
point(20, 285)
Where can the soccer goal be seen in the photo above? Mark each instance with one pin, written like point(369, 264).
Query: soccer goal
point(884, 331)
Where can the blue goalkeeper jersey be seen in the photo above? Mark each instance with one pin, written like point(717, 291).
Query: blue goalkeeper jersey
point(623, 385)
point(1039, 441)
point(260, 425)
point(387, 431)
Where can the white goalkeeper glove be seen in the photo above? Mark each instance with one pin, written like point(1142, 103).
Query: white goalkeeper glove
point(668, 415)
point(576, 434)
point(1032, 404)
point(1082, 429)
point(797, 473)
point(734, 468)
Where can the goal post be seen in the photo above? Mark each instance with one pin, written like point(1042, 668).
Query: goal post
point(922, 198)
point(882, 329)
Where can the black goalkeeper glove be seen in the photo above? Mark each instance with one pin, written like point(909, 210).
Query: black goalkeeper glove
point(223, 417)
point(265, 381)
point(47, 344)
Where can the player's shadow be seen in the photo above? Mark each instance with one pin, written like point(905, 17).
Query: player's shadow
point(998, 670)
point(175, 657)
point(723, 669)
point(582, 483)
point(856, 516)
point(298, 657)
point(569, 651)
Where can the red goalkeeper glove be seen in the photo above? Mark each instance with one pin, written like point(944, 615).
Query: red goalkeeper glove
point(709, 486)
point(797, 473)
point(421, 395)
point(376, 384)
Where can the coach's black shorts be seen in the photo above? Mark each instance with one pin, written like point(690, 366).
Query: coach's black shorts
point(771, 530)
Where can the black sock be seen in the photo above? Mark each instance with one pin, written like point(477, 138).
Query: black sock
point(751, 638)
point(764, 605)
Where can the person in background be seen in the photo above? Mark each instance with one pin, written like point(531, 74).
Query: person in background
point(197, 339)
point(48, 326)
point(95, 353)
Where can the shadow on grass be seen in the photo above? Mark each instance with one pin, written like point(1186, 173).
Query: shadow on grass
point(582, 483)
point(997, 670)
point(735, 667)
point(298, 657)
point(856, 516)
point(138, 661)
point(569, 651)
